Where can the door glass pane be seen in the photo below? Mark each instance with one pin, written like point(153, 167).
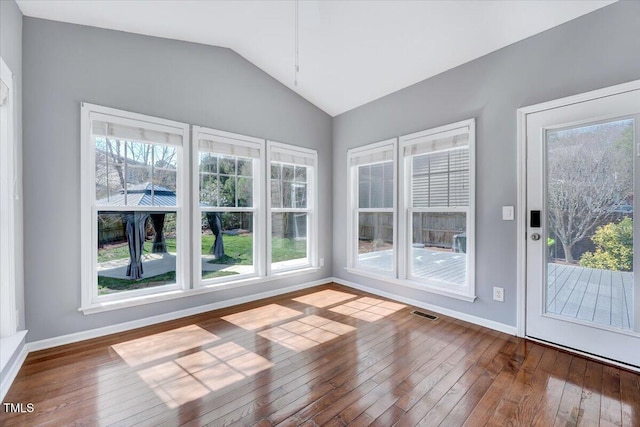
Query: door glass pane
point(590, 203)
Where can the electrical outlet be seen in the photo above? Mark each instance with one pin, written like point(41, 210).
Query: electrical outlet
point(498, 293)
point(321, 262)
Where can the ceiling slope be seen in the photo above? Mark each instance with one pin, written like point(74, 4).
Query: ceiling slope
point(350, 52)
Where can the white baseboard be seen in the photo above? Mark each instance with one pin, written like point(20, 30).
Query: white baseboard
point(121, 327)
point(11, 371)
point(500, 327)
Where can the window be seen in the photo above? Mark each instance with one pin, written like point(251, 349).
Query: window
point(229, 173)
point(371, 213)
point(138, 208)
point(134, 205)
point(7, 201)
point(413, 221)
point(292, 222)
point(438, 178)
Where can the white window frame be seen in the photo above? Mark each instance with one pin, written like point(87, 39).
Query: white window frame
point(8, 195)
point(311, 209)
point(90, 300)
point(466, 291)
point(259, 174)
point(369, 150)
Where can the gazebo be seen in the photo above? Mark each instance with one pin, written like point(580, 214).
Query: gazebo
point(148, 194)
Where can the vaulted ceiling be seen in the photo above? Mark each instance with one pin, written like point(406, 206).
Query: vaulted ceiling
point(349, 52)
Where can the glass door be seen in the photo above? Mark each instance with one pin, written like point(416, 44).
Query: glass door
point(582, 169)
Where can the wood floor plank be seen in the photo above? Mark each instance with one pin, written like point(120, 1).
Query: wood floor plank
point(630, 396)
point(610, 403)
point(589, 413)
point(569, 408)
point(317, 366)
point(534, 388)
point(420, 404)
point(286, 405)
point(545, 412)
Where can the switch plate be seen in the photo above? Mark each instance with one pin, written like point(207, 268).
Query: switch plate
point(508, 213)
point(498, 294)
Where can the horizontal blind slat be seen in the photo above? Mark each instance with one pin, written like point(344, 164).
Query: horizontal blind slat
point(224, 148)
point(132, 133)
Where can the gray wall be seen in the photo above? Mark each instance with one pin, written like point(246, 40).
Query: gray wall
point(66, 64)
point(594, 51)
point(11, 52)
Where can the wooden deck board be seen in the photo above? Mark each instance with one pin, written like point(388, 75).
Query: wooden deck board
point(599, 296)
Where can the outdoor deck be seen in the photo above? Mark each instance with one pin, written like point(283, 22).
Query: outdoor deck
point(599, 296)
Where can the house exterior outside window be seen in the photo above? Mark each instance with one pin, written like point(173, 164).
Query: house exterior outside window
point(134, 206)
point(292, 201)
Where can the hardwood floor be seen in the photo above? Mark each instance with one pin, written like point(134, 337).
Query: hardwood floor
point(329, 355)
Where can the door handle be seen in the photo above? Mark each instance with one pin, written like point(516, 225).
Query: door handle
point(535, 236)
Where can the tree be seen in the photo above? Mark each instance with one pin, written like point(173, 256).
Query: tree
point(614, 247)
point(590, 172)
point(144, 163)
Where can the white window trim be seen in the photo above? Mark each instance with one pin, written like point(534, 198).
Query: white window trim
point(188, 271)
point(353, 210)
point(468, 290)
point(8, 195)
point(225, 282)
point(90, 300)
point(402, 196)
point(311, 209)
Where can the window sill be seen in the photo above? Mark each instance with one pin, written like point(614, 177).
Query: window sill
point(9, 346)
point(175, 294)
point(414, 285)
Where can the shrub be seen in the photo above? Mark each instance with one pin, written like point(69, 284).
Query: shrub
point(614, 247)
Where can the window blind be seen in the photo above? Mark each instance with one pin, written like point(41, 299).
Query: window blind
point(229, 149)
point(372, 157)
point(457, 138)
point(292, 157)
point(134, 133)
point(440, 179)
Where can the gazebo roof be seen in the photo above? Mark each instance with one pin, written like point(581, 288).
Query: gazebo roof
point(141, 195)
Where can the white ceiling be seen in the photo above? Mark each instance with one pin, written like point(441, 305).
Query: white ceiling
point(350, 52)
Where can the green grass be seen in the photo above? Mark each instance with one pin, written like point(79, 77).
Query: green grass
point(108, 285)
point(238, 251)
point(286, 249)
point(219, 273)
point(121, 251)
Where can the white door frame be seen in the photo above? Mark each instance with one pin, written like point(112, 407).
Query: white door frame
point(522, 183)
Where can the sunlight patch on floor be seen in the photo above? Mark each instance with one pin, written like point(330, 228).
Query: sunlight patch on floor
point(324, 298)
point(305, 333)
point(262, 316)
point(157, 346)
point(194, 376)
point(368, 309)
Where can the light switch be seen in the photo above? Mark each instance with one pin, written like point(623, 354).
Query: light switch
point(508, 213)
